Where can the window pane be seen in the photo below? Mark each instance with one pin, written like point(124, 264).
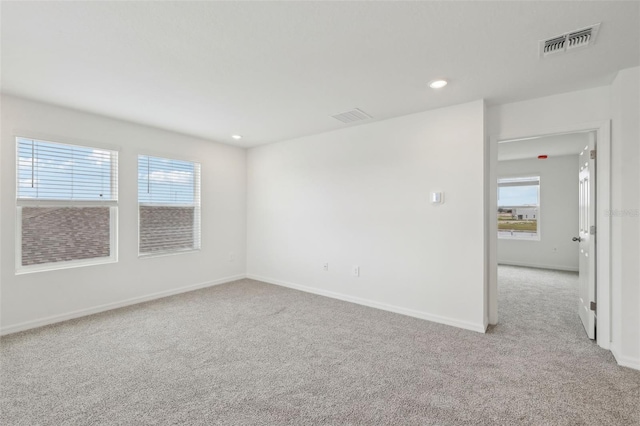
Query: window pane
point(166, 228)
point(58, 234)
point(518, 207)
point(54, 171)
point(169, 205)
point(518, 196)
point(165, 181)
point(67, 202)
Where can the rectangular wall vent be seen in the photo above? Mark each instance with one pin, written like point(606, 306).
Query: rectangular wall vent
point(568, 41)
point(351, 116)
point(554, 45)
point(579, 38)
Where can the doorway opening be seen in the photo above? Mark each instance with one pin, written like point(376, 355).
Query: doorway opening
point(546, 204)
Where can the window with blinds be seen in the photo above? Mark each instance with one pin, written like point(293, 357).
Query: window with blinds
point(168, 205)
point(519, 207)
point(67, 199)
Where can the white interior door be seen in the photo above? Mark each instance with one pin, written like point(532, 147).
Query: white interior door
point(587, 239)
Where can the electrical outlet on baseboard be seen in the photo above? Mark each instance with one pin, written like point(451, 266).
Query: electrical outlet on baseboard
point(355, 270)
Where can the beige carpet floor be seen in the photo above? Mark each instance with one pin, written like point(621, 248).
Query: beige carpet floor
point(249, 353)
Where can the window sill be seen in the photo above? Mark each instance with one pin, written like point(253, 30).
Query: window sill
point(166, 253)
point(46, 267)
point(516, 238)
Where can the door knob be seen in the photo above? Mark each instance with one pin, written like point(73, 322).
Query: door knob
point(578, 239)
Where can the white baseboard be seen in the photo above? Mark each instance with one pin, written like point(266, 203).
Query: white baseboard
point(27, 325)
point(538, 266)
point(624, 361)
point(373, 304)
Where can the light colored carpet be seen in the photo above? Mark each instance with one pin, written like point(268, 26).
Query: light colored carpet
point(249, 353)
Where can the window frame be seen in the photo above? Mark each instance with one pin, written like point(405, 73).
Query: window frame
point(197, 204)
point(20, 203)
point(531, 176)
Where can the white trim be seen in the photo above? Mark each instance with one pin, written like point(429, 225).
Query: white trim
point(197, 199)
point(603, 234)
point(538, 266)
point(480, 328)
point(514, 238)
point(114, 231)
point(55, 266)
point(48, 137)
point(603, 255)
point(625, 361)
point(17, 249)
point(38, 202)
point(166, 205)
point(114, 305)
point(167, 253)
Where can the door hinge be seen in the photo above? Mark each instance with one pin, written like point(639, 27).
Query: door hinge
point(593, 154)
point(592, 230)
point(592, 306)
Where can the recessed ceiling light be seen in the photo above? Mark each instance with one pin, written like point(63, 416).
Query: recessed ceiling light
point(236, 137)
point(437, 84)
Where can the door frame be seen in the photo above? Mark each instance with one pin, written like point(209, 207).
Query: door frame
point(603, 220)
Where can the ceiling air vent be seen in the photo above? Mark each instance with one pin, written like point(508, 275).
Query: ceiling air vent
point(554, 45)
point(351, 116)
point(568, 41)
point(579, 38)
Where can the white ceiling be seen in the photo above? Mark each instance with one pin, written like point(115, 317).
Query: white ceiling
point(277, 70)
point(553, 146)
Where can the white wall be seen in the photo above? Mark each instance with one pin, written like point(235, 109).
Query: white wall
point(354, 196)
point(625, 220)
point(360, 196)
point(569, 111)
point(537, 117)
point(32, 299)
point(558, 215)
point(550, 114)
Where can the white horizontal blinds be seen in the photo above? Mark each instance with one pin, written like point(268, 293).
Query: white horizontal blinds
point(520, 181)
point(169, 205)
point(66, 203)
point(55, 171)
